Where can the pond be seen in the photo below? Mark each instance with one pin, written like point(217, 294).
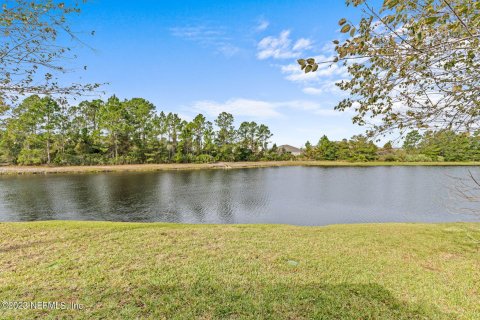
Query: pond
point(286, 195)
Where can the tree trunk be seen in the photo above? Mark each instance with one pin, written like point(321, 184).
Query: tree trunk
point(116, 148)
point(48, 150)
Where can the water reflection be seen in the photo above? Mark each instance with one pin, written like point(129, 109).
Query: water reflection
point(293, 195)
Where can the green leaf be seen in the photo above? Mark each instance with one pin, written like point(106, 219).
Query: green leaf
point(352, 32)
point(315, 67)
point(342, 21)
point(431, 20)
point(310, 61)
point(301, 62)
point(345, 28)
point(391, 3)
point(308, 69)
point(336, 42)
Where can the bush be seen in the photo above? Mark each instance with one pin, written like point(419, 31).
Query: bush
point(204, 158)
point(123, 160)
point(31, 157)
point(417, 158)
point(68, 159)
point(390, 158)
point(359, 158)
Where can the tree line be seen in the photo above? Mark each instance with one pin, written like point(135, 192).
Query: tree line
point(442, 145)
point(42, 131)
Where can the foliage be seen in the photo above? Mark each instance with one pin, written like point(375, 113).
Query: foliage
point(413, 64)
point(326, 150)
point(34, 48)
point(42, 131)
point(412, 140)
point(358, 148)
point(443, 145)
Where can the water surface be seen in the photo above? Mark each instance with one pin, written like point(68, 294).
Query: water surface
point(291, 195)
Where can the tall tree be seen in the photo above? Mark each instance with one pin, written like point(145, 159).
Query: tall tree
point(185, 146)
point(412, 139)
point(209, 139)
point(112, 120)
point(252, 136)
point(309, 150)
point(88, 115)
point(26, 130)
point(326, 149)
point(362, 149)
point(263, 135)
point(226, 131)
point(49, 117)
point(199, 126)
point(139, 113)
point(225, 136)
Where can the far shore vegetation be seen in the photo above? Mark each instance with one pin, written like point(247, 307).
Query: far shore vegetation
point(41, 130)
point(45, 169)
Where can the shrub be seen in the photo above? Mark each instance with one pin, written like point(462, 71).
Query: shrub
point(417, 158)
point(204, 158)
point(31, 157)
point(390, 158)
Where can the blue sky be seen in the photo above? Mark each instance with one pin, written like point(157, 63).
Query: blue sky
point(193, 57)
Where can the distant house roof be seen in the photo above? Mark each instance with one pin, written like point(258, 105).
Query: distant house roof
point(289, 148)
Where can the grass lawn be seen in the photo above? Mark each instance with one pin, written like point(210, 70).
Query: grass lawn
point(168, 271)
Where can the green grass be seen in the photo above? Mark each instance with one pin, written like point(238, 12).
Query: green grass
point(167, 271)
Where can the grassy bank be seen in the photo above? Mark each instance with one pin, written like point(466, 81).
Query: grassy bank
point(5, 170)
point(164, 271)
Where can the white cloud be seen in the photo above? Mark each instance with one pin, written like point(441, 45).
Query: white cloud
point(328, 87)
point(262, 25)
point(281, 47)
point(201, 34)
point(320, 83)
point(228, 49)
point(206, 36)
point(314, 107)
point(238, 107)
point(261, 108)
point(312, 90)
point(302, 44)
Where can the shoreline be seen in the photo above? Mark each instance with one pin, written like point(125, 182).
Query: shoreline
point(20, 170)
point(72, 224)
